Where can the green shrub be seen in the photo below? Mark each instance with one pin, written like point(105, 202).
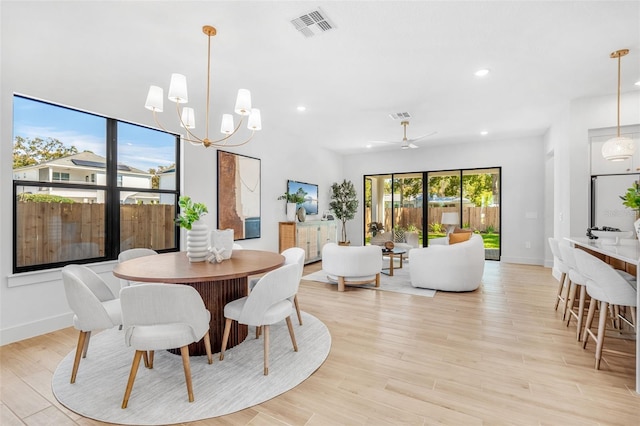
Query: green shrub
point(44, 198)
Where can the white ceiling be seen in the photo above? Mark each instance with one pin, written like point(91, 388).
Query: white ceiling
point(383, 57)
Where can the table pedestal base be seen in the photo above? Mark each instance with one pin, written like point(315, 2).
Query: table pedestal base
point(216, 294)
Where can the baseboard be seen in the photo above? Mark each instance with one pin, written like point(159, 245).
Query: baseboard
point(522, 260)
point(36, 328)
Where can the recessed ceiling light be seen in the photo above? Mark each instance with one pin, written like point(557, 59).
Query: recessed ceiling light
point(484, 133)
point(369, 145)
point(482, 72)
point(637, 83)
point(301, 108)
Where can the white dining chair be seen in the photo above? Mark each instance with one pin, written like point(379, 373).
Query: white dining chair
point(562, 267)
point(163, 316)
point(133, 254)
point(577, 284)
point(606, 286)
point(292, 255)
point(268, 303)
point(94, 306)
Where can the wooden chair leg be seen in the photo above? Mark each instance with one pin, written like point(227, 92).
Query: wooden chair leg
point(601, 330)
point(258, 331)
point(184, 351)
point(225, 337)
point(340, 283)
point(559, 294)
point(132, 378)
point(295, 303)
point(145, 359)
point(151, 355)
point(293, 336)
point(581, 303)
point(568, 300)
point(587, 324)
point(79, 349)
point(378, 279)
point(266, 350)
point(207, 347)
point(85, 348)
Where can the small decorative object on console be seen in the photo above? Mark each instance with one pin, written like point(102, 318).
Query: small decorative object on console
point(388, 246)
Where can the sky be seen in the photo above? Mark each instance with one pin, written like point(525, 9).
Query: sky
point(138, 146)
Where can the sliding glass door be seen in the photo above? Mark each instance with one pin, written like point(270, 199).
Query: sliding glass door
point(418, 207)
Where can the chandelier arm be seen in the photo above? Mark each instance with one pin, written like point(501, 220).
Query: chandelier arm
point(230, 134)
point(215, 144)
point(155, 118)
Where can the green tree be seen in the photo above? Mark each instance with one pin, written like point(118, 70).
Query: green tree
point(27, 151)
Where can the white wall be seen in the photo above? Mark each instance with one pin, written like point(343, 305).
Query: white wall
point(34, 303)
point(573, 174)
point(523, 175)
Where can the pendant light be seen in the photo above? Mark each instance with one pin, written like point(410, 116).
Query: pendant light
point(619, 148)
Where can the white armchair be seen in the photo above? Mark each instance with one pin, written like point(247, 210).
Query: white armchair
point(94, 306)
point(455, 267)
point(352, 265)
point(163, 316)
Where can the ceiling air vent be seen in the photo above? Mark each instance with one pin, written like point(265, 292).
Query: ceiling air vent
point(400, 115)
point(312, 23)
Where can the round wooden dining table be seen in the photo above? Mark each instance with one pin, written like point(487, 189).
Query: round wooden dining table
point(217, 283)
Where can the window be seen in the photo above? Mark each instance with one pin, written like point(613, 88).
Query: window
point(61, 176)
point(81, 180)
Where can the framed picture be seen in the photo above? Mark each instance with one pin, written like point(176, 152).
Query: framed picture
point(311, 197)
point(239, 195)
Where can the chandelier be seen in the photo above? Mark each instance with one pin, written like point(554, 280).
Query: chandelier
point(619, 148)
point(186, 115)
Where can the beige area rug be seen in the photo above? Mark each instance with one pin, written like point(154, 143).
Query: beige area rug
point(398, 283)
point(159, 395)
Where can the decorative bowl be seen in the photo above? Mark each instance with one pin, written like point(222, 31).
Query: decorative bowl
point(611, 237)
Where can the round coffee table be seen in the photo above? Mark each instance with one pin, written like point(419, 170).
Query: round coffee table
point(396, 252)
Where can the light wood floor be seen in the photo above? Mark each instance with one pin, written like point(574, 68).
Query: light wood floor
point(496, 356)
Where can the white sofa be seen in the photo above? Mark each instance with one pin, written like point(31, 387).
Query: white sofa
point(456, 267)
point(349, 265)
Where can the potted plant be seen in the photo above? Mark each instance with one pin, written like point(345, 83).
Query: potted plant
point(293, 199)
point(344, 204)
point(197, 232)
point(631, 198)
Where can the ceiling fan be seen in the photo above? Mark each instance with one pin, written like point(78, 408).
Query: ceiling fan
point(406, 143)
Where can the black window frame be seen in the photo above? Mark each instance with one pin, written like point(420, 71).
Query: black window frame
point(112, 197)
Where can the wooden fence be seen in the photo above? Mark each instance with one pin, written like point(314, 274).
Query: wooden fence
point(477, 218)
point(57, 232)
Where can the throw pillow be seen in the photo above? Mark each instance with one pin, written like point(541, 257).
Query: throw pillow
point(459, 237)
point(461, 230)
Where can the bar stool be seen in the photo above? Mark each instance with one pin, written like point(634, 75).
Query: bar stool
point(562, 267)
point(607, 286)
point(577, 282)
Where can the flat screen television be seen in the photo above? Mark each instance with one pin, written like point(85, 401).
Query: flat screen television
point(310, 199)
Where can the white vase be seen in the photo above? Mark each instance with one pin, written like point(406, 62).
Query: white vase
point(198, 242)
point(291, 212)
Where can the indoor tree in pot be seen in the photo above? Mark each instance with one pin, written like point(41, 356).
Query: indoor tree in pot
point(344, 204)
point(197, 232)
point(293, 199)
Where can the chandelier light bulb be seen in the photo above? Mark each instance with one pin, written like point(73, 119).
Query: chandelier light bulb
point(243, 102)
point(154, 99)
point(255, 121)
point(226, 126)
point(178, 89)
point(188, 118)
